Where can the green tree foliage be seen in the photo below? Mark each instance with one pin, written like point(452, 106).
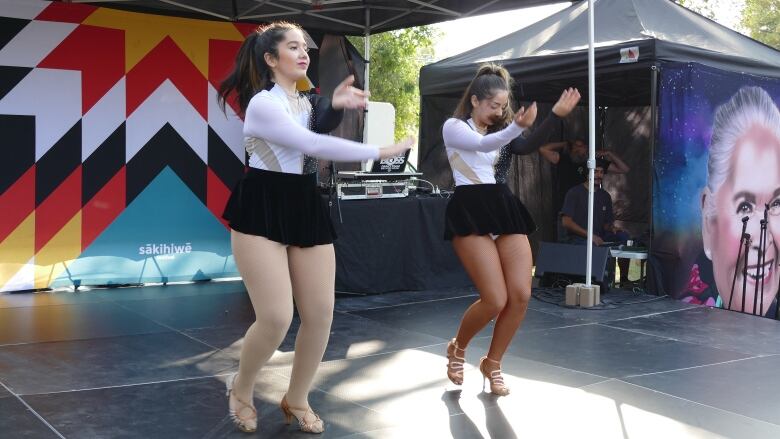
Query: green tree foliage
point(761, 20)
point(396, 58)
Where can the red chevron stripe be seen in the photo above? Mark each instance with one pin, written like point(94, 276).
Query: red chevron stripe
point(217, 195)
point(57, 209)
point(17, 203)
point(67, 12)
point(103, 208)
point(100, 55)
point(166, 61)
point(245, 28)
point(222, 56)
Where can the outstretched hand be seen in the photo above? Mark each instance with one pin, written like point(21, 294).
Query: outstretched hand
point(566, 103)
point(525, 117)
point(345, 96)
point(396, 149)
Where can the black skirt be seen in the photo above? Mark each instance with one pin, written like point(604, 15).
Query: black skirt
point(286, 208)
point(482, 209)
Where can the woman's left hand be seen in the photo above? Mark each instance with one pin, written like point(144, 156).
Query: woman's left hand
point(566, 102)
point(345, 96)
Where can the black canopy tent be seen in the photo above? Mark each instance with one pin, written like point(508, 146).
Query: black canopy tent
point(633, 39)
point(335, 17)
point(551, 54)
point(556, 48)
point(340, 17)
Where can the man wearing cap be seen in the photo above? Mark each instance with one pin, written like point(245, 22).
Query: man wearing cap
point(574, 215)
point(569, 159)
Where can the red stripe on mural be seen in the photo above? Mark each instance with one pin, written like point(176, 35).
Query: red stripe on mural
point(245, 28)
point(217, 195)
point(57, 209)
point(103, 208)
point(222, 56)
point(17, 203)
point(100, 55)
point(167, 61)
point(67, 12)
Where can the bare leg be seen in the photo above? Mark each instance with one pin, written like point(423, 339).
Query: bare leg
point(480, 258)
point(515, 254)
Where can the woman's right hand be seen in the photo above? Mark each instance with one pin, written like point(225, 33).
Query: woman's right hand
point(525, 117)
point(396, 149)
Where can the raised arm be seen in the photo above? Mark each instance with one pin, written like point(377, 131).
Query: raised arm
point(551, 151)
point(326, 118)
point(267, 119)
point(457, 134)
point(552, 125)
point(618, 165)
point(539, 136)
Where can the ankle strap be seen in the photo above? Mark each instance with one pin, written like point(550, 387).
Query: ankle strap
point(492, 360)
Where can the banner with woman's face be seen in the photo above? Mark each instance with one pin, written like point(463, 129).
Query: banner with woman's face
point(716, 194)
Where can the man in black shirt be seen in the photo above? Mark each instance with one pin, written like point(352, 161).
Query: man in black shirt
point(574, 216)
point(571, 169)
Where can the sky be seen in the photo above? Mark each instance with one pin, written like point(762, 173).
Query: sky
point(455, 37)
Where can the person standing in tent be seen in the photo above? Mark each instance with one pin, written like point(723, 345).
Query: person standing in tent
point(281, 232)
point(487, 224)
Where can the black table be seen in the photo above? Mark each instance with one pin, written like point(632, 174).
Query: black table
point(394, 244)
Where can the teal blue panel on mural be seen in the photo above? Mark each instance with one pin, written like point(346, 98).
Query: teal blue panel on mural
point(165, 234)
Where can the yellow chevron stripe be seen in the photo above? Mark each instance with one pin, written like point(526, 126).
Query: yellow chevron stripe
point(17, 249)
point(63, 248)
point(145, 31)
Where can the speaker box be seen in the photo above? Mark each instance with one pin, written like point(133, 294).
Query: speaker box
point(565, 264)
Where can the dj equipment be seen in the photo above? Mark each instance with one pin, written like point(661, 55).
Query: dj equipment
point(370, 189)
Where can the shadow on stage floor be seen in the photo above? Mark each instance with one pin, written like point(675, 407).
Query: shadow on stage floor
point(151, 363)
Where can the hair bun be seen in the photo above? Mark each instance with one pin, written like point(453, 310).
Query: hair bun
point(493, 69)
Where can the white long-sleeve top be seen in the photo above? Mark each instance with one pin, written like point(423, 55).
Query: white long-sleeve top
point(473, 156)
point(277, 137)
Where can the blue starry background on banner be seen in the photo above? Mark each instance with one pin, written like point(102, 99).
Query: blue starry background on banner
point(689, 95)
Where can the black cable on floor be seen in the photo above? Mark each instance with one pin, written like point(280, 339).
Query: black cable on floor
point(557, 296)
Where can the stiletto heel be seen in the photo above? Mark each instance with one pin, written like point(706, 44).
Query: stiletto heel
point(497, 385)
point(316, 426)
point(455, 362)
point(245, 424)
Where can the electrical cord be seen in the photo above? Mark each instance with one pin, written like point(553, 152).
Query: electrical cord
point(556, 295)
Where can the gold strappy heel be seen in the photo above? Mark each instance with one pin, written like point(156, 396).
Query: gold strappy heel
point(455, 362)
point(497, 385)
point(247, 424)
point(315, 426)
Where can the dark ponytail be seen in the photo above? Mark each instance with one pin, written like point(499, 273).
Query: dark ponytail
point(489, 79)
point(251, 74)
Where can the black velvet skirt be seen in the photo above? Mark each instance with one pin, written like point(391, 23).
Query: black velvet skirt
point(485, 209)
point(286, 208)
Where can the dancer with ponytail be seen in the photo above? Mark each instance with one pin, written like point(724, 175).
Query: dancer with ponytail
point(281, 232)
point(487, 224)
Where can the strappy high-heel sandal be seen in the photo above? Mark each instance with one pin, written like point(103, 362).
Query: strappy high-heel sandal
point(497, 385)
point(316, 426)
point(247, 424)
point(455, 362)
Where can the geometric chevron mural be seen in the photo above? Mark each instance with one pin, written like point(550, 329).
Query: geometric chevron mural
point(116, 162)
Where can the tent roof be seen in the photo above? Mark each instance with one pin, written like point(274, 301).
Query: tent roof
point(348, 17)
point(557, 45)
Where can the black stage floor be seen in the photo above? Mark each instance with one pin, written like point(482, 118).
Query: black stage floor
point(151, 363)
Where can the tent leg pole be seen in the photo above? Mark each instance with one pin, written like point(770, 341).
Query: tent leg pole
point(366, 74)
point(653, 130)
point(591, 141)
